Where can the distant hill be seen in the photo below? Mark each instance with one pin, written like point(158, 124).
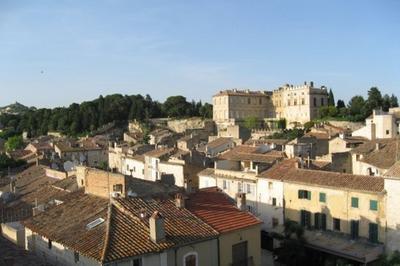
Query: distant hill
point(15, 108)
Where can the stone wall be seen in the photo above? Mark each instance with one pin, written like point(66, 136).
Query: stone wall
point(183, 125)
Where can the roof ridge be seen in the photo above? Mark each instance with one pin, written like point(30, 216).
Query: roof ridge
point(107, 236)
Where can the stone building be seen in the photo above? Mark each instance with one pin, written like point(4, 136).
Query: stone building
point(297, 104)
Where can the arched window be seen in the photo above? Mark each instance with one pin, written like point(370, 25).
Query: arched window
point(191, 259)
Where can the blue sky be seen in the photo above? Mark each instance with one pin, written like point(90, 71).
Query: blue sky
point(53, 53)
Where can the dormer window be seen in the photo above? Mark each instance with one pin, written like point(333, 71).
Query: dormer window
point(117, 188)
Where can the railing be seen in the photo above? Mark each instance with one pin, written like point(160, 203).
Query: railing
point(244, 262)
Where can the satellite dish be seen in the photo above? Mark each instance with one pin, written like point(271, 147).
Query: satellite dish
point(68, 166)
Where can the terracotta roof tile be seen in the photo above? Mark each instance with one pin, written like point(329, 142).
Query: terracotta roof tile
point(250, 153)
point(218, 210)
point(218, 142)
point(287, 171)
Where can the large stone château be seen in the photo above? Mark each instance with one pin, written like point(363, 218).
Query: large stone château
point(294, 103)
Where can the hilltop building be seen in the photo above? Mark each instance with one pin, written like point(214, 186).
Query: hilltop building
point(297, 104)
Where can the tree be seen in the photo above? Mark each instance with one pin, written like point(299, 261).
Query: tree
point(13, 143)
point(356, 105)
point(251, 122)
point(340, 104)
point(393, 101)
point(6, 162)
point(206, 111)
point(292, 250)
point(176, 106)
point(374, 101)
point(386, 103)
point(331, 98)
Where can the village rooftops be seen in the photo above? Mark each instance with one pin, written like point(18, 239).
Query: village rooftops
point(218, 210)
point(251, 153)
point(288, 171)
point(379, 153)
point(266, 141)
point(394, 171)
point(157, 153)
point(122, 228)
point(218, 142)
point(73, 147)
point(237, 92)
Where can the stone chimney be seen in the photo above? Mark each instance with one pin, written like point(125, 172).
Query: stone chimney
point(13, 187)
point(180, 201)
point(157, 227)
point(241, 201)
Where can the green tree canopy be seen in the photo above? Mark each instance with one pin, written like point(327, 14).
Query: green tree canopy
point(13, 143)
point(331, 98)
point(251, 122)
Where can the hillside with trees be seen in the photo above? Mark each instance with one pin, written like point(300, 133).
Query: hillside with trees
point(358, 108)
point(78, 119)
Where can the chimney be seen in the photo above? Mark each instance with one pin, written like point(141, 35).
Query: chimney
point(312, 84)
point(241, 201)
point(378, 146)
point(180, 201)
point(13, 187)
point(157, 227)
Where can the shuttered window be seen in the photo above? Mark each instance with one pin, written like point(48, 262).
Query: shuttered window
point(373, 232)
point(354, 229)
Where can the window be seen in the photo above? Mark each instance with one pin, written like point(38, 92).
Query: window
point(305, 218)
point(273, 201)
point(190, 259)
point(270, 185)
point(320, 221)
point(76, 257)
point(387, 132)
point(354, 202)
point(373, 232)
point(354, 229)
point(304, 194)
point(137, 262)
point(322, 101)
point(260, 101)
point(239, 189)
point(134, 169)
point(127, 167)
point(248, 101)
point(315, 102)
point(322, 197)
point(117, 188)
point(248, 188)
point(224, 184)
point(373, 205)
point(49, 244)
point(295, 102)
point(302, 101)
point(288, 102)
point(336, 224)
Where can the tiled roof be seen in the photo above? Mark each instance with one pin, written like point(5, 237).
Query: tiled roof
point(266, 141)
point(288, 172)
point(159, 152)
point(385, 156)
point(123, 233)
point(218, 210)
point(318, 135)
point(250, 153)
point(218, 142)
point(394, 171)
point(369, 146)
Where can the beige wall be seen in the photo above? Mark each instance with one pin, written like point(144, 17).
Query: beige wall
point(252, 235)
point(14, 232)
point(338, 205)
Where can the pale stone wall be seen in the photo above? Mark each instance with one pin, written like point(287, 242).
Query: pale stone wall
point(14, 232)
point(177, 170)
point(133, 167)
point(338, 205)
point(392, 186)
point(183, 125)
point(57, 255)
point(55, 174)
point(269, 189)
point(362, 168)
point(251, 235)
